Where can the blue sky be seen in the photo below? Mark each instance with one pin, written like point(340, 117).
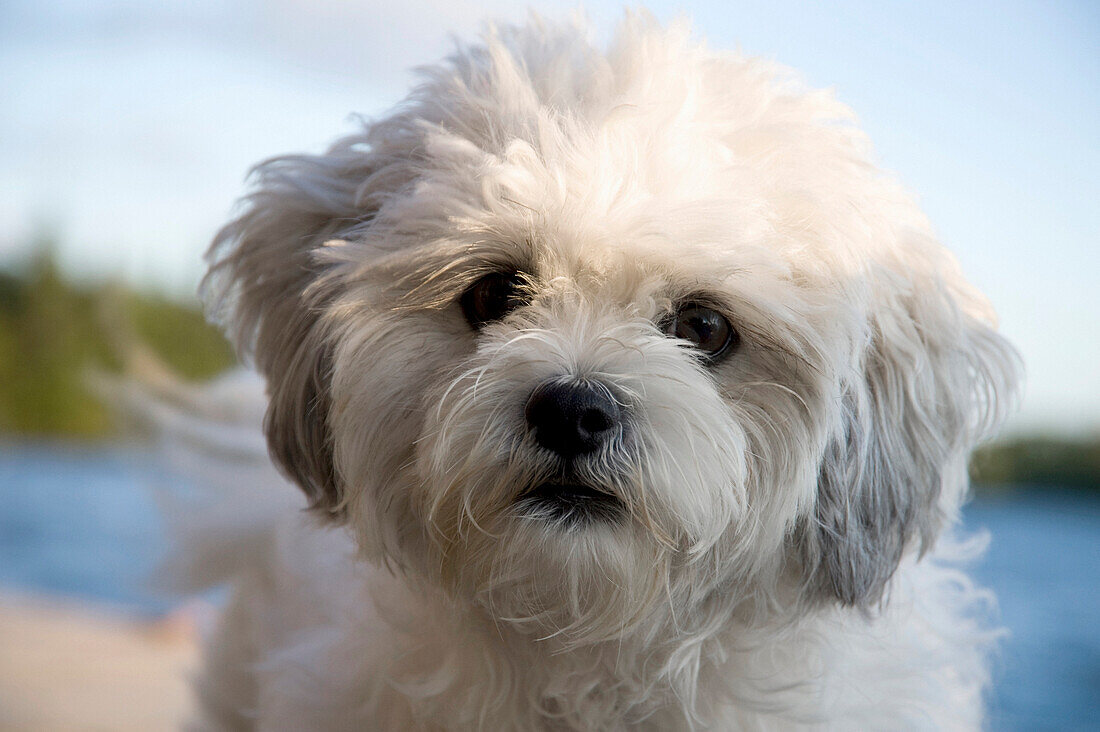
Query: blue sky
point(126, 128)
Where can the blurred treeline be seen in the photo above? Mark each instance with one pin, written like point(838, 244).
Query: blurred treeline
point(1039, 460)
point(54, 333)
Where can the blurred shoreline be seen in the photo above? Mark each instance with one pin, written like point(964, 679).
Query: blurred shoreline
point(68, 665)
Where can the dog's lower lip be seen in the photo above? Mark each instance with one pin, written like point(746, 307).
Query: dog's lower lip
point(573, 503)
point(566, 491)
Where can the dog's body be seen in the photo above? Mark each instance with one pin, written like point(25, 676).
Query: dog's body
point(317, 639)
point(625, 393)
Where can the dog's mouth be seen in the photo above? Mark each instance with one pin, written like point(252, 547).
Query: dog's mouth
point(570, 504)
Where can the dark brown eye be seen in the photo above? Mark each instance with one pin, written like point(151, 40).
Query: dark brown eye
point(706, 329)
point(492, 297)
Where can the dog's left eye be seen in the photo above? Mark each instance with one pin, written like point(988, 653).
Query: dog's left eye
point(705, 328)
point(492, 297)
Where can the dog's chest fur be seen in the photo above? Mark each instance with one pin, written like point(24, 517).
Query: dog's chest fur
point(315, 639)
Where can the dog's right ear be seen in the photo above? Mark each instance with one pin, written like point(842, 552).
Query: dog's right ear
point(265, 288)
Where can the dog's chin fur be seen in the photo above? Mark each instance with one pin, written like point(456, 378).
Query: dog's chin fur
point(764, 540)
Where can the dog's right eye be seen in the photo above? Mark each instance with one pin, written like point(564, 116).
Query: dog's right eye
point(705, 328)
point(492, 297)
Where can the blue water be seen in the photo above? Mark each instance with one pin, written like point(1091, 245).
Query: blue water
point(1044, 565)
point(81, 523)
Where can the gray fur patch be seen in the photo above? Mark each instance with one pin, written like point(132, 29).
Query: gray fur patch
point(266, 290)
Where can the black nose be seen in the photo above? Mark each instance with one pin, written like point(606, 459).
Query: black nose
point(572, 418)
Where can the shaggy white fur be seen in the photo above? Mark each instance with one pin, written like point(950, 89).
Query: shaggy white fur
point(626, 393)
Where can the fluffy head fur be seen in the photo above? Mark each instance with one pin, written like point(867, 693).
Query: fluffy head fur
point(766, 500)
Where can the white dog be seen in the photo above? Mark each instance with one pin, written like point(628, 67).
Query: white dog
point(625, 393)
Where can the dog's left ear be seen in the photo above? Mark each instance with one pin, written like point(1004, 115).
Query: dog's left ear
point(935, 379)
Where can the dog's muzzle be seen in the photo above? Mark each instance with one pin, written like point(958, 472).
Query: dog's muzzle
point(572, 419)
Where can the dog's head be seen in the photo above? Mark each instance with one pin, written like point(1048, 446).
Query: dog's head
point(589, 338)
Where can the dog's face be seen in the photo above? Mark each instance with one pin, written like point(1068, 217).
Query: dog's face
point(592, 340)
